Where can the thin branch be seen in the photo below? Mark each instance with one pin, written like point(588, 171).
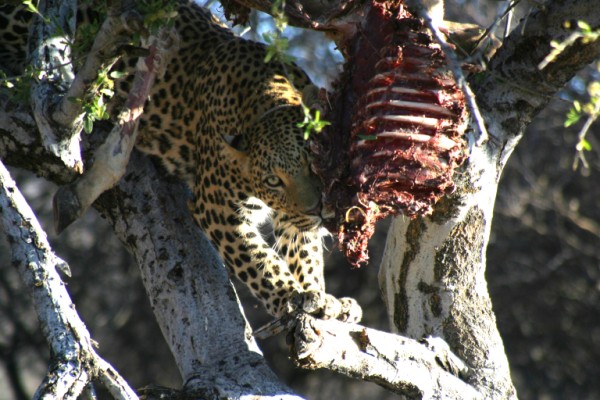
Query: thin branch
point(513, 89)
point(76, 362)
point(582, 134)
point(104, 53)
point(192, 296)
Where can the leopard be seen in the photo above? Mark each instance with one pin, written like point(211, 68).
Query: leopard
point(227, 123)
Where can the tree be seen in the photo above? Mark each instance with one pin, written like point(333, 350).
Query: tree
point(432, 275)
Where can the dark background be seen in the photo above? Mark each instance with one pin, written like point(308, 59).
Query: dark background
point(543, 271)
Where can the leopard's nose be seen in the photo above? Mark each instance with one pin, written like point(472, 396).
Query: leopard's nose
point(327, 213)
point(316, 210)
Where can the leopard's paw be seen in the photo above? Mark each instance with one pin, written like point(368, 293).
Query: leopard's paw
point(325, 306)
point(351, 310)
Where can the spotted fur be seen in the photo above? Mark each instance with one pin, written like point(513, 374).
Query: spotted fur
point(226, 122)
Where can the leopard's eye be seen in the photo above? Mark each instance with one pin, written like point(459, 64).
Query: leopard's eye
point(273, 181)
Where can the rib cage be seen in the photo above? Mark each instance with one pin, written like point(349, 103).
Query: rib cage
point(406, 131)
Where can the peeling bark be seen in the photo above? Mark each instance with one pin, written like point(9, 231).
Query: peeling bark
point(111, 158)
point(404, 366)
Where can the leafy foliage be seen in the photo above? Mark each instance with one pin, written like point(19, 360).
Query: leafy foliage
point(591, 109)
point(277, 44)
point(19, 86)
point(277, 50)
point(312, 124)
point(157, 14)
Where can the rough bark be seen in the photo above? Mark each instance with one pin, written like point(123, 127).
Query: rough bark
point(418, 369)
point(75, 362)
point(189, 290)
point(432, 276)
point(433, 272)
point(111, 158)
point(188, 287)
point(50, 55)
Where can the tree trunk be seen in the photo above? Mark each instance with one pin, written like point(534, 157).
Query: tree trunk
point(433, 277)
point(433, 272)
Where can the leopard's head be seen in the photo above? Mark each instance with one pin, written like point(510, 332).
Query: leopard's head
point(280, 167)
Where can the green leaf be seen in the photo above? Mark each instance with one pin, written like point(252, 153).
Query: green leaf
point(117, 74)
point(31, 7)
point(583, 145)
point(584, 26)
point(368, 137)
point(88, 124)
point(573, 117)
point(587, 145)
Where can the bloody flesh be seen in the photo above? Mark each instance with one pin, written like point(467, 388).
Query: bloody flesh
point(406, 119)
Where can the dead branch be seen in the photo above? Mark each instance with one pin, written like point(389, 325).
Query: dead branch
point(514, 90)
point(115, 31)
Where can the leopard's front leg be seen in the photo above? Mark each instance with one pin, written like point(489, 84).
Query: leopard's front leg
point(303, 251)
point(233, 229)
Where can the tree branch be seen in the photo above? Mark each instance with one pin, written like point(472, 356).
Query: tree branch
point(114, 32)
point(50, 52)
point(514, 90)
point(75, 361)
point(401, 365)
point(190, 292)
point(112, 156)
point(188, 287)
point(197, 307)
point(433, 272)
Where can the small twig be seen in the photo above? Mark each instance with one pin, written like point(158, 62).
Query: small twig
point(506, 13)
point(110, 378)
point(582, 134)
point(560, 48)
point(509, 16)
point(272, 328)
point(114, 30)
point(456, 70)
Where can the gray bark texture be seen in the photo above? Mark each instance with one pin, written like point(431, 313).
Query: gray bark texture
point(445, 342)
point(75, 361)
point(433, 272)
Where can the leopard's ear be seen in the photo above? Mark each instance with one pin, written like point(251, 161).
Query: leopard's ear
point(316, 98)
point(236, 148)
point(310, 95)
point(237, 142)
